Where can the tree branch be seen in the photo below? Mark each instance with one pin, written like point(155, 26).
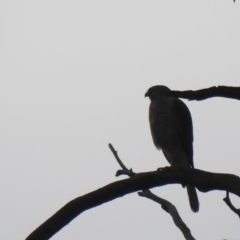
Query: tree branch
point(219, 91)
point(172, 210)
point(166, 205)
point(124, 170)
point(204, 181)
point(228, 202)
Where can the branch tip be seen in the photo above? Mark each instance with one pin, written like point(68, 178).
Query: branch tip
point(125, 170)
point(230, 205)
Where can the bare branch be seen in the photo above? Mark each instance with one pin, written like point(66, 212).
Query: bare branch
point(166, 205)
point(125, 170)
point(228, 202)
point(172, 210)
point(219, 91)
point(204, 181)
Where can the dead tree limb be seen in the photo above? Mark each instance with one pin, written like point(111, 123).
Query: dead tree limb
point(202, 94)
point(172, 210)
point(204, 181)
point(166, 205)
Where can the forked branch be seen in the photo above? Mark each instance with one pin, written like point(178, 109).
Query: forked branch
point(228, 202)
point(203, 181)
point(166, 205)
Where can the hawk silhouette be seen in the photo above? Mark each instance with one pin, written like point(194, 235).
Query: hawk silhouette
point(172, 131)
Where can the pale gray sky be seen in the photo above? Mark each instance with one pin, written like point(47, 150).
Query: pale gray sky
point(73, 78)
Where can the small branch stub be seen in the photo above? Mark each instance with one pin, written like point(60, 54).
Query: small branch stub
point(228, 202)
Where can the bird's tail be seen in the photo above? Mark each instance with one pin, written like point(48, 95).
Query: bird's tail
point(193, 198)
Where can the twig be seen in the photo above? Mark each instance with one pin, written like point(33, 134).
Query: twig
point(228, 202)
point(125, 170)
point(172, 210)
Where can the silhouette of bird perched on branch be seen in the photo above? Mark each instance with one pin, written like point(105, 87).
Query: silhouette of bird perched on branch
point(172, 131)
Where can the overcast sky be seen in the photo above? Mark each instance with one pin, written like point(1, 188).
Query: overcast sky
point(73, 78)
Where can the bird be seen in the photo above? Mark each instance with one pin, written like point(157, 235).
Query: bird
point(172, 132)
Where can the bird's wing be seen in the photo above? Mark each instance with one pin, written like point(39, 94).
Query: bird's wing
point(186, 132)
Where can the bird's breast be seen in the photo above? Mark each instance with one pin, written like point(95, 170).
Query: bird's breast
point(163, 122)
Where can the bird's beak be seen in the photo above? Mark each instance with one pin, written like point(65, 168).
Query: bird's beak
point(147, 94)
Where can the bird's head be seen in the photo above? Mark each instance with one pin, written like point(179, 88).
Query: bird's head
point(157, 91)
